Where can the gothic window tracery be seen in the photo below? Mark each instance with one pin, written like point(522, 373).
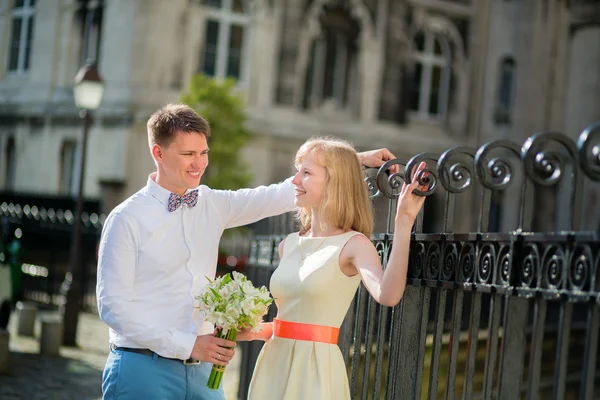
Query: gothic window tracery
point(333, 61)
point(432, 75)
point(225, 39)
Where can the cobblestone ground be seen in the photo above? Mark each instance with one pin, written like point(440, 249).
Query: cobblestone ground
point(74, 375)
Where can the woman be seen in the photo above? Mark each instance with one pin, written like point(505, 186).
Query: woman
point(320, 270)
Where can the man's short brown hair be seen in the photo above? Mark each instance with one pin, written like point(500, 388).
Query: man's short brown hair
point(164, 124)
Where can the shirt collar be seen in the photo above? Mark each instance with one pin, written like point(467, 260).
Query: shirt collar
point(158, 192)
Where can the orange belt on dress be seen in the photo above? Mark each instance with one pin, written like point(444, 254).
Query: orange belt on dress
point(299, 331)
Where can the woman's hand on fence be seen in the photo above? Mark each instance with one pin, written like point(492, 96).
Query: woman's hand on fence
point(409, 203)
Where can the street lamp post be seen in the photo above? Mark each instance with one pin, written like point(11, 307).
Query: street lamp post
point(87, 91)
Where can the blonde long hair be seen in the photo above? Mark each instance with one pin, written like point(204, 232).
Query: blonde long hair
point(345, 202)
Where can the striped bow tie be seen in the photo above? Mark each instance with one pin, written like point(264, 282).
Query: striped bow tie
point(176, 200)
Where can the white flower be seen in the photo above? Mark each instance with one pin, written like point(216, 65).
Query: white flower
point(230, 301)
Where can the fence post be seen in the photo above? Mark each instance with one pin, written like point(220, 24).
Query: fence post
point(416, 302)
point(513, 348)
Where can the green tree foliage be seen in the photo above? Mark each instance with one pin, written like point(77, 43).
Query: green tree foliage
point(215, 101)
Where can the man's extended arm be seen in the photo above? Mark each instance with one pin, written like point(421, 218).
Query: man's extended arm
point(245, 206)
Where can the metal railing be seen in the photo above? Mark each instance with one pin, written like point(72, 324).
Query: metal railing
point(503, 296)
point(44, 236)
point(510, 314)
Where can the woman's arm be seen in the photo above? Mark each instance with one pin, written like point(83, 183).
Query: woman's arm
point(387, 286)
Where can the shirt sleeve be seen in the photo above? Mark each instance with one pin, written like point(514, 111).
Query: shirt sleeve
point(114, 290)
point(245, 206)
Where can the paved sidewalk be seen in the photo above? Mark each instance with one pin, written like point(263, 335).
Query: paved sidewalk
point(77, 373)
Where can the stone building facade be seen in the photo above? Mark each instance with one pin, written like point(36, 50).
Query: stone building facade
point(410, 75)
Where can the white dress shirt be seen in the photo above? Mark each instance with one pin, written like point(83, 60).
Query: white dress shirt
point(153, 262)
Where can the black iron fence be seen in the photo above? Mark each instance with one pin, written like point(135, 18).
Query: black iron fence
point(508, 314)
point(503, 296)
point(43, 228)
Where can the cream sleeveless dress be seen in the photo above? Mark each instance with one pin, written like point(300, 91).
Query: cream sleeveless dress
point(315, 292)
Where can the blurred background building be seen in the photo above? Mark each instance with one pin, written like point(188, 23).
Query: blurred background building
point(410, 75)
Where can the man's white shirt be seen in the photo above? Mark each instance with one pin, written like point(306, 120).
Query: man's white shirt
point(153, 262)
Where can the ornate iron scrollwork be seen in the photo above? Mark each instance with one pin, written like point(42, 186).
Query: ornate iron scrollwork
point(495, 173)
point(553, 264)
point(543, 165)
point(588, 146)
point(416, 260)
point(455, 174)
point(371, 182)
point(427, 177)
point(450, 261)
point(466, 263)
point(433, 261)
point(529, 266)
point(504, 265)
point(485, 267)
point(581, 267)
point(391, 185)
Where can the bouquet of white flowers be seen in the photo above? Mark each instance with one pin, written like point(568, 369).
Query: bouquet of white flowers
point(232, 304)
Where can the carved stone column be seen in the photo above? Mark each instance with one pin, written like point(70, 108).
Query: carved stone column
point(583, 92)
point(583, 96)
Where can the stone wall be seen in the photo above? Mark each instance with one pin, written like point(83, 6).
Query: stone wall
point(151, 48)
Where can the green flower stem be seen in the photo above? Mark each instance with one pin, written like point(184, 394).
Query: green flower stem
point(216, 374)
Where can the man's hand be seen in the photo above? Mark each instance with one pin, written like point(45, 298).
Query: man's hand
point(209, 348)
point(376, 158)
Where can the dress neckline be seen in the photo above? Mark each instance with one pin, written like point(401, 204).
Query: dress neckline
point(323, 237)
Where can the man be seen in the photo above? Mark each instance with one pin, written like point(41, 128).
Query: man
point(156, 250)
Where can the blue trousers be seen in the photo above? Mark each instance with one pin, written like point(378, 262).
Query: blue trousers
point(133, 376)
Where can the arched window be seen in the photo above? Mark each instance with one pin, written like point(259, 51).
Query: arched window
point(19, 56)
point(10, 166)
point(505, 91)
point(432, 75)
point(332, 70)
point(226, 39)
point(91, 13)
